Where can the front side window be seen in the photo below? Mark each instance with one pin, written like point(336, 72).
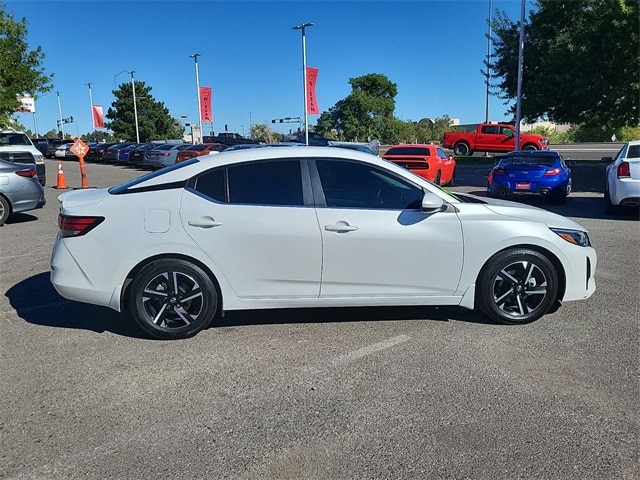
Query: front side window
point(359, 185)
point(277, 182)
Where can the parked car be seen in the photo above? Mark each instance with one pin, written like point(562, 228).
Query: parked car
point(136, 156)
point(16, 146)
point(622, 182)
point(163, 155)
point(41, 144)
point(95, 152)
point(199, 149)
point(63, 152)
point(529, 172)
point(428, 161)
point(309, 227)
point(123, 154)
point(20, 189)
point(112, 153)
point(492, 137)
point(53, 144)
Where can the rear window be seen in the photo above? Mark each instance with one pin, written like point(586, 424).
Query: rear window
point(546, 161)
point(408, 151)
point(634, 151)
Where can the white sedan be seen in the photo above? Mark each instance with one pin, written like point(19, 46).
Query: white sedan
point(622, 185)
point(309, 227)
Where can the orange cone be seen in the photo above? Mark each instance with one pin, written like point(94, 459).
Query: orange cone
point(62, 183)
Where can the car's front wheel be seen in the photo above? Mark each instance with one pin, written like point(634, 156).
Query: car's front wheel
point(517, 286)
point(172, 298)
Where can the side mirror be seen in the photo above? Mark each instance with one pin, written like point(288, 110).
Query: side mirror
point(431, 203)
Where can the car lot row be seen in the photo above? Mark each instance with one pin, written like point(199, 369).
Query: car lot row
point(151, 154)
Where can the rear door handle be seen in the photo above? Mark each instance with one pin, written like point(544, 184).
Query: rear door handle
point(204, 222)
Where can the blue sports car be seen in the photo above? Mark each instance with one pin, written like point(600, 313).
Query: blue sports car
point(530, 172)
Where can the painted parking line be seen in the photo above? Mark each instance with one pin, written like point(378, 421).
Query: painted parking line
point(368, 350)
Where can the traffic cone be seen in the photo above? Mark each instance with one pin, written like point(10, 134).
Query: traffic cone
point(62, 183)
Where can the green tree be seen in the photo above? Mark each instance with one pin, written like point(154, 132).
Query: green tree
point(580, 63)
point(154, 120)
point(262, 133)
point(365, 114)
point(20, 68)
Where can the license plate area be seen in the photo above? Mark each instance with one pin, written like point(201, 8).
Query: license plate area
point(523, 186)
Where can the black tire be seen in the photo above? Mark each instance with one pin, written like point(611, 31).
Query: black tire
point(517, 286)
point(462, 149)
point(5, 210)
point(529, 147)
point(172, 298)
point(438, 178)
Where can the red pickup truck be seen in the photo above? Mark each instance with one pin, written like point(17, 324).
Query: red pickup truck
point(492, 137)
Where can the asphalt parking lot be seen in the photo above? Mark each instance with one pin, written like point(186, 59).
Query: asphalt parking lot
point(380, 393)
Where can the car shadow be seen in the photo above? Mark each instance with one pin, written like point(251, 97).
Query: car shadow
point(52, 310)
point(21, 217)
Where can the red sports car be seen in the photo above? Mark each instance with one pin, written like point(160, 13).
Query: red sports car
point(428, 161)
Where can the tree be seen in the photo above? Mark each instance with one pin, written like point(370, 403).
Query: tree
point(154, 120)
point(20, 68)
point(580, 62)
point(366, 114)
point(262, 133)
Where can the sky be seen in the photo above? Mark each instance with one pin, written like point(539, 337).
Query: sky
point(251, 57)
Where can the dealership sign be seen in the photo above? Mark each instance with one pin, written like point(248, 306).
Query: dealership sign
point(27, 104)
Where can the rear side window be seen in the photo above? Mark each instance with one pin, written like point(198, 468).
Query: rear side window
point(277, 182)
point(408, 151)
point(634, 151)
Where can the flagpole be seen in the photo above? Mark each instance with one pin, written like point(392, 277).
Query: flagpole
point(302, 27)
point(195, 57)
point(93, 123)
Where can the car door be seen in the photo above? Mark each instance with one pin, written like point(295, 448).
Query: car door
point(376, 240)
point(252, 221)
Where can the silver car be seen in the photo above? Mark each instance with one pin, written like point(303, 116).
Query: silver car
point(20, 189)
point(163, 155)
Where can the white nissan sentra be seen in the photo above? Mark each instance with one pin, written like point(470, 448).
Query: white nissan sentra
point(309, 227)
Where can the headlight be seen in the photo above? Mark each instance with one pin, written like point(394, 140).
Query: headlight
point(577, 237)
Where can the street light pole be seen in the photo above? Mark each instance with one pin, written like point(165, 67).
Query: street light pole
point(302, 27)
point(60, 124)
point(195, 58)
point(488, 79)
point(135, 108)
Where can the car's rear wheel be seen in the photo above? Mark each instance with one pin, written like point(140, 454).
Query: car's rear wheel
point(172, 298)
point(462, 149)
point(517, 286)
point(5, 210)
point(438, 178)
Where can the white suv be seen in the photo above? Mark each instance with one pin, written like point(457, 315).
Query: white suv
point(17, 147)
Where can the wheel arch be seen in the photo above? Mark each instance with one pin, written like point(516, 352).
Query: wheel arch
point(555, 261)
point(530, 146)
point(124, 295)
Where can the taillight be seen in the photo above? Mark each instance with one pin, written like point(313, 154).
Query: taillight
point(552, 173)
point(498, 171)
point(165, 154)
point(26, 173)
point(76, 226)
point(624, 171)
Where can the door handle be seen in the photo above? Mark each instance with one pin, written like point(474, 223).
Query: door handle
point(340, 227)
point(204, 222)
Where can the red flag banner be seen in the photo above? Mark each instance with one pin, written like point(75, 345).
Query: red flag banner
point(312, 101)
point(98, 117)
point(206, 114)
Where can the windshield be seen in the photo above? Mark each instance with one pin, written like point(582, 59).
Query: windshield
point(14, 139)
